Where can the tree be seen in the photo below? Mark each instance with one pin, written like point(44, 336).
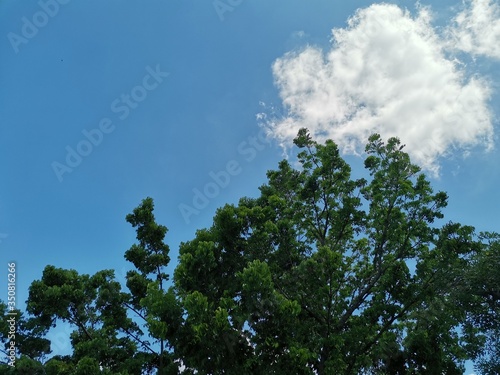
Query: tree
point(149, 297)
point(94, 305)
point(479, 294)
point(314, 275)
point(321, 273)
point(106, 337)
point(29, 341)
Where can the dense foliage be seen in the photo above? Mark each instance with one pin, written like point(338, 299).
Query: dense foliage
point(321, 274)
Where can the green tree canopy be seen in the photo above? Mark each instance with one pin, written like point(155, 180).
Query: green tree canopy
point(322, 273)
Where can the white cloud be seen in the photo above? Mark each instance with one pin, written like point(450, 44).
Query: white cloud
point(387, 72)
point(476, 29)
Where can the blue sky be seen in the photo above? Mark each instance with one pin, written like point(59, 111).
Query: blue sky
point(427, 72)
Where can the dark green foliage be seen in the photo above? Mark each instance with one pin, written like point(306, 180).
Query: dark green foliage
point(322, 273)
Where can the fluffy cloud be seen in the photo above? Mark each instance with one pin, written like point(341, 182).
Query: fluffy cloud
point(386, 72)
point(476, 29)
